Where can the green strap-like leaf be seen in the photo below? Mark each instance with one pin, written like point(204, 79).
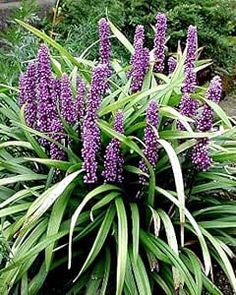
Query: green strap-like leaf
point(100, 240)
point(135, 229)
point(122, 245)
point(97, 191)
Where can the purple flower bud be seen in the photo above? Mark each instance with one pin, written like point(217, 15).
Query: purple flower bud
point(200, 155)
point(28, 94)
point(139, 36)
point(66, 101)
point(57, 134)
point(45, 93)
point(140, 63)
point(57, 90)
point(90, 130)
point(215, 89)
point(172, 63)
point(150, 138)
point(105, 44)
point(91, 139)
point(188, 106)
point(191, 47)
point(98, 88)
point(79, 103)
point(214, 92)
point(159, 42)
point(190, 82)
point(113, 164)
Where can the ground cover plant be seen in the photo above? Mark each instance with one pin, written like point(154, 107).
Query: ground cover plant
point(116, 179)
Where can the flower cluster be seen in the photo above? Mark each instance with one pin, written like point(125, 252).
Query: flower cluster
point(80, 103)
point(28, 94)
point(105, 44)
point(139, 60)
point(45, 99)
point(172, 63)
point(159, 42)
point(90, 130)
point(150, 138)
point(45, 93)
point(113, 163)
point(188, 106)
point(200, 153)
point(67, 105)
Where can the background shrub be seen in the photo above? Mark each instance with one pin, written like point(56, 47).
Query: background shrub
point(216, 22)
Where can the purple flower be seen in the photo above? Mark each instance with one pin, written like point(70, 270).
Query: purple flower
point(191, 47)
point(105, 44)
point(140, 63)
point(91, 141)
point(159, 42)
point(58, 135)
point(188, 106)
point(172, 63)
point(90, 130)
point(79, 103)
point(189, 83)
point(215, 90)
point(138, 36)
point(57, 90)
point(67, 106)
point(113, 164)
point(28, 94)
point(45, 93)
point(98, 88)
point(200, 152)
point(200, 155)
point(150, 138)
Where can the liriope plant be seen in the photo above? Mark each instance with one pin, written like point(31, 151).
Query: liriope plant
point(116, 179)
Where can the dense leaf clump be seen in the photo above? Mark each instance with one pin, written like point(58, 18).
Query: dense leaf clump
point(114, 189)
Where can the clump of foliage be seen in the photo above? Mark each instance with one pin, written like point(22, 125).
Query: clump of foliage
point(112, 177)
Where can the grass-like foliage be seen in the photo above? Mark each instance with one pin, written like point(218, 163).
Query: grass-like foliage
point(139, 206)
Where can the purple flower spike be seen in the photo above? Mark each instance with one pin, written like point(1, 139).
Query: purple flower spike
point(90, 130)
point(57, 134)
point(188, 106)
point(150, 138)
point(214, 92)
point(215, 89)
point(105, 44)
point(90, 147)
point(79, 103)
point(139, 60)
point(66, 101)
point(113, 164)
point(159, 42)
point(200, 155)
point(191, 47)
point(57, 90)
point(45, 93)
point(172, 63)
point(189, 83)
point(140, 63)
point(139, 36)
point(28, 94)
point(98, 88)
